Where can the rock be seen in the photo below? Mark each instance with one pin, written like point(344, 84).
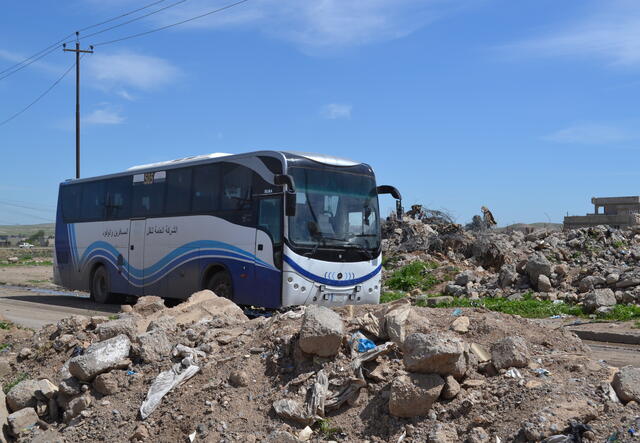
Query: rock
point(561, 270)
point(305, 434)
point(46, 389)
point(612, 279)
point(22, 421)
point(510, 352)
point(25, 353)
point(23, 395)
point(291, 410)
point(455, 290)
point(536, 266)
point(443, 433)
point(544, 284)
point(70, 386)
point(321, 332)
point(100, 357)
point(165, 322)
point(507, 276)
point(4, 414)
point(280, 436)
point(628, 282)
point(76, 406)
point(148, 305)
point(153, 346)
point(451, 388)
point(481, 353)
point(460, 324)
point(106, 384)
point(141, 433)
point(435, 353)
point(478, 435)
point(395, 321)
point(125, 325)
point(12, 260)
point(432, 302)
point(626, 383)
point(239, 379)
point(598, 298)
point(413, 395)
point(465, 277)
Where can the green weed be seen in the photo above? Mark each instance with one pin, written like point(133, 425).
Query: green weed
point(5, 325)
point(326, 430)
point(415, 275)
point(390, 296)
point(21, 377)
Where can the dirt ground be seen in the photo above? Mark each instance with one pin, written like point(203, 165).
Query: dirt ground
point(32, 276)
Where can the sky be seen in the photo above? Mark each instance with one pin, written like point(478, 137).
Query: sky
point(529, 107)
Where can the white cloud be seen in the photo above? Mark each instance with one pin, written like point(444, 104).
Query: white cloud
point(318, 25)
point(14, 58)
point(590, 134)
point(336, 110)
point(128, 69)
point(610, 32)
point(104, 116)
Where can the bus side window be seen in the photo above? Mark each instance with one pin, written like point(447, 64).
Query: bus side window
point(71, 195)
point(178, 191)
point(119, 198)
point(93, 201)
point(148, 199)
point(205, 191)
point(236, 188)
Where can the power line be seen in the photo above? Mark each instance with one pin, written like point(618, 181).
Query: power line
point(31, 208)
point(39, 97)
point(132, 20)
point(30, 62)
point(171, 25)
point(65, 38)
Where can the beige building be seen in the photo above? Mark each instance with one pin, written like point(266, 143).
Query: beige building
point(618, 212)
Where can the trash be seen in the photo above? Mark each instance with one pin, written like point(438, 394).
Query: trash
point(541, 372)
point(613, 438)
point(77, 350)
point(558, 439)
point(457, 312)
point(513, 373)
point(632, 431)
point(558, 315)
point(130, 372)
point(174, 377)
point(559, 302)
point(192, 436)
point(364, 344)
point(402, 436)
point(577, 429)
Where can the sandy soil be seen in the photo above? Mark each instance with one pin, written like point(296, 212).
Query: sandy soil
point(32, 276)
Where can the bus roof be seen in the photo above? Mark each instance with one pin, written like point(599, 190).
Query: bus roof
point(320, 158)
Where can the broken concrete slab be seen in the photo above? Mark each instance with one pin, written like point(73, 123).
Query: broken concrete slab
point(435, 353)
point(412, 395)
point(510, 352)
point(100, 357)
point(626, 383)
point(321, 332)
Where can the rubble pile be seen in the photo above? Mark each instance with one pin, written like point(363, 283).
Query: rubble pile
point(203, 371)
point(596, 266)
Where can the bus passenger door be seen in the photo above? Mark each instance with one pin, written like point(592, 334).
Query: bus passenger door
point(137, 233)
point(268, 251)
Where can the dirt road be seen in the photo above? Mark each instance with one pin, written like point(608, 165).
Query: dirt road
point(35, 307)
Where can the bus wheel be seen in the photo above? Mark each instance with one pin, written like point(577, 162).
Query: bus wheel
point(100, 286)
point(220, 284)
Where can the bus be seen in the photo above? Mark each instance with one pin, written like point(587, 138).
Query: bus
point(266, 229)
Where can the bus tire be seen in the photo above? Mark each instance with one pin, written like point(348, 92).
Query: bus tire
point(100, 286)
point(220, 284)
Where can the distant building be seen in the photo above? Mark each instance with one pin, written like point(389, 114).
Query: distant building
point(617, 212)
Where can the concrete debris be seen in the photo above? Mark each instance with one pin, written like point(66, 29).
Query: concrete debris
point(412, 395)
point(101, 357)
point(106, 384)
point(152, 346)
point(510, 352)
point(22, 421)
point(435, 353)
point(126, 325)
point(460, 324)
point(322, 331)
point(599, 298)
point(23, 395)
point(626, 383)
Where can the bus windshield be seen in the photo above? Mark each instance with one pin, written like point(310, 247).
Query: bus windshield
point(334, 208)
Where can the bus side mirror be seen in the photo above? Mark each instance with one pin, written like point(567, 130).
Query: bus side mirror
point(289, 194)
point(387, 189)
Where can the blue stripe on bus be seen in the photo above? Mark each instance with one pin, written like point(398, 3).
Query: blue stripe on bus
point(327, 281)
point(174, 258)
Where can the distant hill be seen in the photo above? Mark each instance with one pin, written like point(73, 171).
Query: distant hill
point(27, 230)
point(526, 226)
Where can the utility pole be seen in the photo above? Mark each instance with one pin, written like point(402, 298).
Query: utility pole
point(78, 51)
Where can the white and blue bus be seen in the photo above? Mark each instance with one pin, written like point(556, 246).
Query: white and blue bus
point(267, 229)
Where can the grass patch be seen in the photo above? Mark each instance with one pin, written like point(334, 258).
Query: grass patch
point(20, 377)
point(390, 296)
point(28, 263)
point(637, 325)
point(618, 244)
point(415, 275)
point(5, 325)
point(325, 429)
point(527, 307)
point(4, 346)
point(114, 317)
